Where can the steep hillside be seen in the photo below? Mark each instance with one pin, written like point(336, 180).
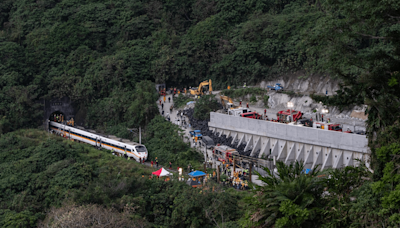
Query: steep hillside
point(49, 181)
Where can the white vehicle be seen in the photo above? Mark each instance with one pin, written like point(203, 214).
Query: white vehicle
point(238, 112)
point(131, 149)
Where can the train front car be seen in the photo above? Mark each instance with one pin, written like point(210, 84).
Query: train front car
point(142, 151)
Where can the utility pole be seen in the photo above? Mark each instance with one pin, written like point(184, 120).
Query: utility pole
point(234, 164)
point(140, 135)
point(205, 157)
point(250, 171)
point(218, 174)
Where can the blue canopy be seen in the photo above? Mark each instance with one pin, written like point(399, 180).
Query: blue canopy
point(197, 174)
point(196, 133)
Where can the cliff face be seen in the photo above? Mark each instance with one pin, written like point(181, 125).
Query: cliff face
point(297, 89)
point(299, 82)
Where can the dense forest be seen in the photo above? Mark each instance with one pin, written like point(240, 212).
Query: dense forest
point(106, 56)
point(96, 51)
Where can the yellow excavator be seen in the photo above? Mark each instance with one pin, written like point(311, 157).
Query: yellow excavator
point(202, 89)
point(230, 102)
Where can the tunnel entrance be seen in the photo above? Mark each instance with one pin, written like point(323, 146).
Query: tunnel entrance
point(63, 108)
point(57, 116)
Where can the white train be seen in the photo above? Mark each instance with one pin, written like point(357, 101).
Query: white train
point(133, 150)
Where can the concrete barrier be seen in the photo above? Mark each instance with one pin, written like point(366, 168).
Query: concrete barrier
point(313, 136)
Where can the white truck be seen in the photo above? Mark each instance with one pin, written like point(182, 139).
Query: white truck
point(238, 112)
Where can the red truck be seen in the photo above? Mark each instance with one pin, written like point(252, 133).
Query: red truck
point(224, 153)
point(282, 115)
point(252, 115)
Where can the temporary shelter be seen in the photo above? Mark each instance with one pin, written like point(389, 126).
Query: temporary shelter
point(162, 173)
point(197, 174)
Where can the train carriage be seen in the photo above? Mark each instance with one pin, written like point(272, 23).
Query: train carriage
point(133, 150)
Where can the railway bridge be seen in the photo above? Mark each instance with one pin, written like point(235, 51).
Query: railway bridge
point(288, 143)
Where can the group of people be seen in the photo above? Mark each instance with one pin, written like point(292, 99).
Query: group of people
point(237, 180)
point(180, 120)
point(178, 91)
point(237, 183)
point(58, 118)
point(162, 104)
point(154, 162)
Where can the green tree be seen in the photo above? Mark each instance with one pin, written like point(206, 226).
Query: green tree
point(143, 107)
point(164, 140)
point(205, 105)
point(291, 199)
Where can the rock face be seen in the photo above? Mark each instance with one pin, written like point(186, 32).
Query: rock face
point(303, 87)
point(307, 85)
point(297, 89)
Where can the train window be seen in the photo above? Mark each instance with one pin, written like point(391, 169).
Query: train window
point(140, 148)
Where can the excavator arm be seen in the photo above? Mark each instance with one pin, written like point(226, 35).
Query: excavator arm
point(199, 90)
point(229, 100)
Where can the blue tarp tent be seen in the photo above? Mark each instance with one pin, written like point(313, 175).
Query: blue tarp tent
point(197, 174)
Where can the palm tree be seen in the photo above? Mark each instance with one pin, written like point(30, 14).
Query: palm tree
point(292, 186)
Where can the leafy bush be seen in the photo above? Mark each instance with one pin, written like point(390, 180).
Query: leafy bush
point(181, 100)
point(253, 98)
point(164, 141)
point(204, 106)
point(265, 100)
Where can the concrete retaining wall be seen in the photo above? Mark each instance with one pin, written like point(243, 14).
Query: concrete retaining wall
point(314, 136)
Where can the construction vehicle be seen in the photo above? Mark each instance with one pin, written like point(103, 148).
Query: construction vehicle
point(277, 87)
point(282, 116)
point(224, 153)
point(252, 115)
point(207, 142)
point(202, 89)
point(196, 133)
point(230, 103)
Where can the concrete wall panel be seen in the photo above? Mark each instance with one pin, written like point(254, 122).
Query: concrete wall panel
point(318, 137)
